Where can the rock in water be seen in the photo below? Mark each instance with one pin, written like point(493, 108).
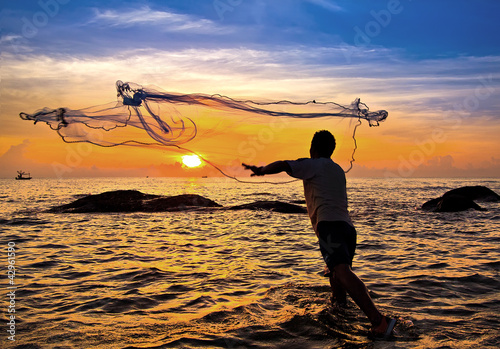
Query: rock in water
point(477, 193)
point(275, 206)
point(461, 199)
point(456, 203)
point(178, 203)
point(133, 201)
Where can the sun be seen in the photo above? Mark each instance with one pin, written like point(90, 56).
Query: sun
point(191, 161)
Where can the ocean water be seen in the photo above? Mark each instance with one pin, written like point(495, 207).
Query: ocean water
point(243, 279)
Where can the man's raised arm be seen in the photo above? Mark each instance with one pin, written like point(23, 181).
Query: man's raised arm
point(272, 168)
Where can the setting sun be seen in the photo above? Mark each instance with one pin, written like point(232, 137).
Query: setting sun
point(191, 160)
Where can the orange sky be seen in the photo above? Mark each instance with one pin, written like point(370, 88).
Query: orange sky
point(418, 139)
point(440, 82)
point(395, 148)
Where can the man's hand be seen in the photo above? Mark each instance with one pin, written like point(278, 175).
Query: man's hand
point(257, 171)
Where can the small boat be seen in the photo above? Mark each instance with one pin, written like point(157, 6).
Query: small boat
point(23, 175)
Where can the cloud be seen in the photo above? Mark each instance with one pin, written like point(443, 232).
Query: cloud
point(15, 153)
point(14, 160)
point(443, 166)
point(9, 38)
point(145, 16)
point(421, 96)
point(428, 88)
point(436, 167)
point(327, 5)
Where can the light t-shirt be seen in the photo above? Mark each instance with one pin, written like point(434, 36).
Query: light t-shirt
point(324, 189)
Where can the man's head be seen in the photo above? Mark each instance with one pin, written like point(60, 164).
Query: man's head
point(322, 145)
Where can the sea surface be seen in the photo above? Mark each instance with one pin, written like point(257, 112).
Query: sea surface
point(243, 279)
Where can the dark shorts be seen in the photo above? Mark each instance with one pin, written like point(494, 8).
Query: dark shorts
point(337, 242)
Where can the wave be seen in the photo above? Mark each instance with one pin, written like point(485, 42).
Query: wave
point(24, 221)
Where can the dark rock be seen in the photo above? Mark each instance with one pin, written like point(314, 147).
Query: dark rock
point(431, 205)
point(178, 203)
point(477, 193)
point(133, 201)
point(456, 203)
point(461, 199)
point(275, 206)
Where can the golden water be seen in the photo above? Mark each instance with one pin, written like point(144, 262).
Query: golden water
point(244, 279)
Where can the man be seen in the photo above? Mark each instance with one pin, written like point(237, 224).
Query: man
point(326, 199)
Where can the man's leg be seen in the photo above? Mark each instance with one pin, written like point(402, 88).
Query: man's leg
point(358, 292)
point(338, 291)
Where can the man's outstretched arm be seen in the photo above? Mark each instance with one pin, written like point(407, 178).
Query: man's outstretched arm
point(272, 168)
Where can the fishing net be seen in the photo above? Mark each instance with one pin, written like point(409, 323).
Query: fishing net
point(152, 118)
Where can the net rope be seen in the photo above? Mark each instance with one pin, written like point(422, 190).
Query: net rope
point(155, 112)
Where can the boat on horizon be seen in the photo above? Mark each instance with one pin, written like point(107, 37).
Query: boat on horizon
point(23, 175)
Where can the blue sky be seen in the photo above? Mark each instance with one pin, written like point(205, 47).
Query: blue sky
point(416, 28)
point(424, 61)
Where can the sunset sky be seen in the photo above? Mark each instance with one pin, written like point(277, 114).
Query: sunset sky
point(433, 65)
